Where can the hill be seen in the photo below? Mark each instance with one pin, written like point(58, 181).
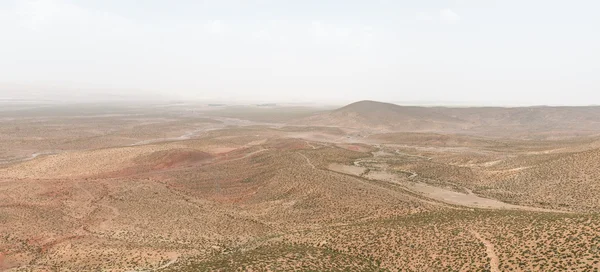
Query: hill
point(387, 117)
point(527, 122)
point(565, 180)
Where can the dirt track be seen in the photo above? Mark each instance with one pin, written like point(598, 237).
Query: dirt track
point(489, 249)
point(307, 160)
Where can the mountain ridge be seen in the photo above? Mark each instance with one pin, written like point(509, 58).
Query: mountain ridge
point(382, 116)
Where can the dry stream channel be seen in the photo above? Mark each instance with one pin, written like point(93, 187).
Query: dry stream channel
point(374, 169)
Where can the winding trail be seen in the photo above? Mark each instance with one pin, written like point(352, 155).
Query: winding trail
point(489, 249)
point(106, 223)
point(307, 160)
point(86, 191)
point(166, 265)
point(24, 159)
point(311, 145)
point(171, 262)
point(245, 156)
point(412, 175)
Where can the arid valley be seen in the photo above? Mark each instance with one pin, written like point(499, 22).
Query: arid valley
point(366, 187)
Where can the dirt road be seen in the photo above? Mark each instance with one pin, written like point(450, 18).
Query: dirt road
point(307, 160)
point(489, 249)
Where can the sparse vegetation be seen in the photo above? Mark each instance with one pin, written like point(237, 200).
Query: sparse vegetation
point(175, 191)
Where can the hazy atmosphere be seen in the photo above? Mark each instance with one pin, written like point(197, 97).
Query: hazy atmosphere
point(279, 135)
point(443, 51)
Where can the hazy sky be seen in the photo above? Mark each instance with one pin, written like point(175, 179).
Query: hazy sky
point(493, 52)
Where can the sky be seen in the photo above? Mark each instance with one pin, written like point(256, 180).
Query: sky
point(503, 52)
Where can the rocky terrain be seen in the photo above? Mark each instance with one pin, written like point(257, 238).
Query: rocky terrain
point(367, 187)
